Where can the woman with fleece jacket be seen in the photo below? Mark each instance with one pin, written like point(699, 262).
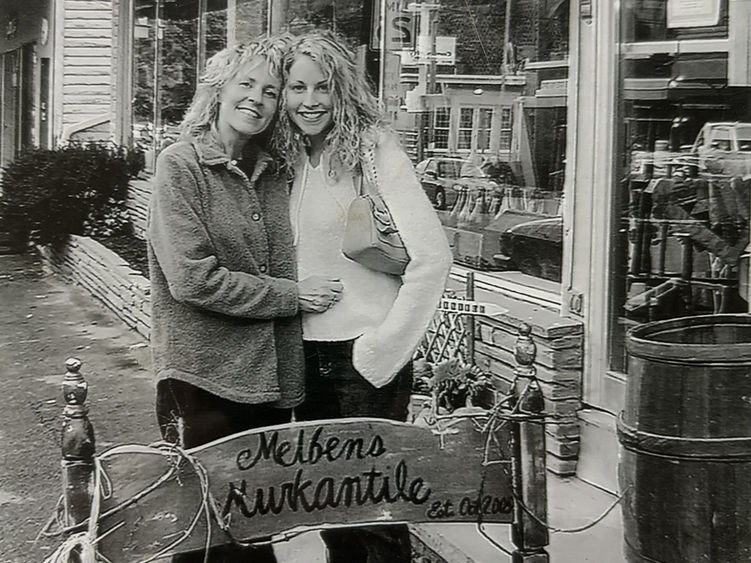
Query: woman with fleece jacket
point(358, 352)
point(226, 337)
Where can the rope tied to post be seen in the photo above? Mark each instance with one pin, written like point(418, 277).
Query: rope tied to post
point(84, 542)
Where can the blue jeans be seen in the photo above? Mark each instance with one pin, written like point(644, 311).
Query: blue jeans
point(334, 389)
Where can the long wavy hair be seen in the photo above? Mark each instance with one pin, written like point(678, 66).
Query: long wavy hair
point(202, 114)
point(357, 114)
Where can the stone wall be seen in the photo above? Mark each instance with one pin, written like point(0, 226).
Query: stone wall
point(559, 370)
point(137, 202)
point(106, 276)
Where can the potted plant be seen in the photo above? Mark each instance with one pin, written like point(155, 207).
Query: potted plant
point(450, 387)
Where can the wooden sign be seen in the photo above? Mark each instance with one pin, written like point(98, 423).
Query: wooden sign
point(306, 475)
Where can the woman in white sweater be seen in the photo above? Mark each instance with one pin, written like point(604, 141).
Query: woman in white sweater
point(358, 352)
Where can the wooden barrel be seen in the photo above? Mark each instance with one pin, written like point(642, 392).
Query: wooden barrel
point(685, 436)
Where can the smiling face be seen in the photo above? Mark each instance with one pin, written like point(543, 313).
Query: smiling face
point(248, 101)
point(310, 102)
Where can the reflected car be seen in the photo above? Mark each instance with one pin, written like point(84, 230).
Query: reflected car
point(535, 248)
point(724, 148)
point(443, 178)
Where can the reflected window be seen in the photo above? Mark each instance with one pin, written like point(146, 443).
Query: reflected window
point(484, 128)
point(685, 181)
point(441, 124)
point(505, 133)
point(465, 128)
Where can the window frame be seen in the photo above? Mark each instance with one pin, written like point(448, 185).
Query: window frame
point(435, 128)
point(462, 128)
point(505, 128)
point(128, 67)
point(487, 130)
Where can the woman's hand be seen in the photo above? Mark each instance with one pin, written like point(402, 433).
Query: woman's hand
point(317, 294)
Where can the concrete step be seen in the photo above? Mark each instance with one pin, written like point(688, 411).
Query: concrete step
point(598, 454)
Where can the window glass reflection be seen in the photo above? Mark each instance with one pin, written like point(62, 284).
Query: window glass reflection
point(478, 101)
point(685, 179)
point(172, 41)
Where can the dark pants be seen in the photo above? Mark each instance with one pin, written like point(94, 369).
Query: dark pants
point(192, 416)
point(334, 389)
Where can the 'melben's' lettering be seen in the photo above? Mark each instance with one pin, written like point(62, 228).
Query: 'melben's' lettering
point(287, 453)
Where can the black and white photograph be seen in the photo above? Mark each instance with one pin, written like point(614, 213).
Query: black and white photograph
point(375, 281)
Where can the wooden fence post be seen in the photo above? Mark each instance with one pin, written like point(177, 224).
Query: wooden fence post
point(529, 533)
point(77, 446)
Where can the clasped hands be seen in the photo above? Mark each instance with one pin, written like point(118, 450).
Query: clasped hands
point(317, 294)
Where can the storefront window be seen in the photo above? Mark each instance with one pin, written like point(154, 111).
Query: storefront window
point(684, 163)
point(469, 102)
point(505, 139)
point(172, 41)
point(457, 80)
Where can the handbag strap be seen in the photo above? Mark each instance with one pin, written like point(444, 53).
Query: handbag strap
point(359, 181)
point(367, 176)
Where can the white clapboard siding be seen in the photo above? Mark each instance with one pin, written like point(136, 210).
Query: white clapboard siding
point(86, 75)
point(88, 61)
point(90, 88)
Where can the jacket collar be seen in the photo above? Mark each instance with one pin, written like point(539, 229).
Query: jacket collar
point(210, 152)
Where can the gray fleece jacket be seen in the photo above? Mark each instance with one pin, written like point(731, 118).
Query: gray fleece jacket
point(222, 266)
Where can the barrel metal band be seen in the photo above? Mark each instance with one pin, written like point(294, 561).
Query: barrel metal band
point(727, 450)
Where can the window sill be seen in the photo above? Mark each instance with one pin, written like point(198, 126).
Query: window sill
point(645, 49)
point(515, 285)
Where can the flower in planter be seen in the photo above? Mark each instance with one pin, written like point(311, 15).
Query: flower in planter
point(453, 384)
point(457, 384)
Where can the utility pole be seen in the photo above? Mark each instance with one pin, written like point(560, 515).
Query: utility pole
point(277, 15)
point(426, 46)
point(159, 26)
point(201, 29)
point(506, 42)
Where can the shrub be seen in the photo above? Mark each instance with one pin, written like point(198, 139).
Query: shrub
point(76, 189)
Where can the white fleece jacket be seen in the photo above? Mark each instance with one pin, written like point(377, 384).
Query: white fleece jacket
point(382, 350)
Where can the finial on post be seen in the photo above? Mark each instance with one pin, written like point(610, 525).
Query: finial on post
point(525, 352)
point(77, 445)
point(78, 434)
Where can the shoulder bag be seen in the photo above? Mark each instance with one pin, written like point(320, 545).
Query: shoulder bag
point(370, 236)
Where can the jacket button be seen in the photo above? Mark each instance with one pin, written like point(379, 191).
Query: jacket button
point(263, 268)
point(256, 216)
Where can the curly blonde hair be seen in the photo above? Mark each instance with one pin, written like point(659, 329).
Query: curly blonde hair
point(202, 114)
point(357, 113)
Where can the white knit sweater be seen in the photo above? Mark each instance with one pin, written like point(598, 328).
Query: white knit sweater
point(319, 214)
point(387, 315)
